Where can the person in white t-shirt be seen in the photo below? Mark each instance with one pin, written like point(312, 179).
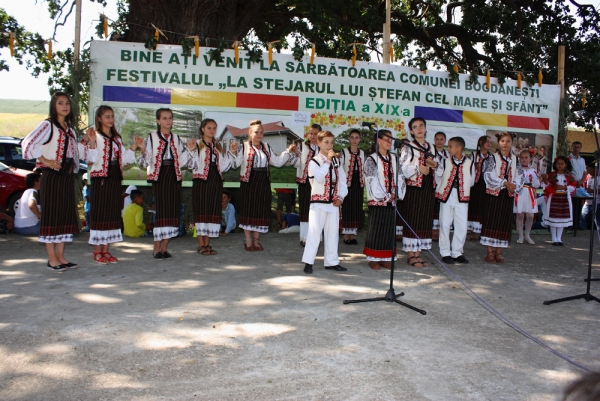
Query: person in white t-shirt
point(126, 197)
point(27, 218)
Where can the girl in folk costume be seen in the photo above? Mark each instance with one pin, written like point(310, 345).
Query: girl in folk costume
point(477, 202)
point(328, 190)
point(304, 155)
point(501, 180)
point(441, 154)
point(255, 184)
point(164, 155)
point(352, 160)
point(208, 168)
point(53, 144)
point(419, 201)
point(560, 186)
point(102, 149)
point(525, 199)
point(381, 177)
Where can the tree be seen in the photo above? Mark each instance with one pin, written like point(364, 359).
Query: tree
point(366, 140)
point(505, 36)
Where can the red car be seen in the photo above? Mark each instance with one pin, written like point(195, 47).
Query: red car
point(12, 186)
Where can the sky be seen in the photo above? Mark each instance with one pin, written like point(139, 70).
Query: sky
point(18, 82)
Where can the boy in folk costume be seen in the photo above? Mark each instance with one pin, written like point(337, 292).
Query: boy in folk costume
point(306, 151)
point(454, 181)
point(328, 190)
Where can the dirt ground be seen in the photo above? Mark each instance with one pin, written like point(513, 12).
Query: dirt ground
point(253, 326)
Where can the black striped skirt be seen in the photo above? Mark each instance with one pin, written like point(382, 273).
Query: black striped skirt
point(256, 197)
point(381, 233)
point(304, 200)
point(352, 207)
point(167, 197)
point(206, 197)
point(497, 216)
point(477, 201)
point(418, 208)
point(106, 201)
point(57, 199)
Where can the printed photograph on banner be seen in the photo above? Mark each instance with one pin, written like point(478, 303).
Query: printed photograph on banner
point(539, 145)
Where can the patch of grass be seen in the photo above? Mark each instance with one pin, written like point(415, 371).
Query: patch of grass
point(19, 125)
point(25, 106)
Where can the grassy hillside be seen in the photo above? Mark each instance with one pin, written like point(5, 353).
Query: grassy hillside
point(24, 106)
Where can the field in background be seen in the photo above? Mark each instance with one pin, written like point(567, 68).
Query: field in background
point(19, 117)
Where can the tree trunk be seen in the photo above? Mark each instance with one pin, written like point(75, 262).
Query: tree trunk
point(212, 19)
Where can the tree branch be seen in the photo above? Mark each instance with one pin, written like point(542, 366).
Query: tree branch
point(57, 24)
point(450, 10)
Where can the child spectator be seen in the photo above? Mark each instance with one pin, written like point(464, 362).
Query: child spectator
point(454, 178)
point(133, 216)
point(86, 202)
point(127, 197)
point(27, 218)
point(228, 221)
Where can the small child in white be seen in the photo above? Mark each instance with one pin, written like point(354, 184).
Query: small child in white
point(453, 190)
point(328, 190)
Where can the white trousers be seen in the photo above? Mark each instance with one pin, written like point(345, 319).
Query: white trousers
point(453, 212)
point(320, 220)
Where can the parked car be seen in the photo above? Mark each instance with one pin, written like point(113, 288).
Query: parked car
point(12, 186)
point(11, 154)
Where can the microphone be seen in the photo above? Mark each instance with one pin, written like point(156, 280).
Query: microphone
point(367, 124)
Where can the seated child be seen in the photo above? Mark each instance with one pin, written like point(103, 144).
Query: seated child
point(27, 217)
point(228, 220)
point(133, 216)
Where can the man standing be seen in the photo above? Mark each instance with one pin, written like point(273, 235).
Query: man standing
point(578, 164)
point(305, 152)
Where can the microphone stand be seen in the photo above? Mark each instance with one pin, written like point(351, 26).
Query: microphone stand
point(588, 296)
point(391, 295)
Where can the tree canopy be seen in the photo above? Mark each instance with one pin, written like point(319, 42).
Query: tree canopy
point(504, 36)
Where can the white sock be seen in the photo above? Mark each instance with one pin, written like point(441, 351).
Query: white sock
point(559, 231)
point(553, 232)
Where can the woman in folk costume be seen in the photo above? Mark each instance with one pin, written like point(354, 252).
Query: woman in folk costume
point(307, 150)
point(525, 199)
point(477, 202)
point(208, 168)
point(441, 154)
point(164, 155)
point(54, 144)
point(381, 178)
point(352, 160)
point(501, 180)
point(560, 187)
point(419, 202)
point(255, 184)
point(102, 148)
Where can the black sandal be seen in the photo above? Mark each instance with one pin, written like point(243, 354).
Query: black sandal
point(208, 251)
point(414, 264)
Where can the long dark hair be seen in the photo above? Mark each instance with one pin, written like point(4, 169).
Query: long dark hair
point(413, 120)
point(99, 112)
point(53, 116)
point(480, 142)
point(568, 166)
point(500, 135)
point(202, 125)
point(159, 112)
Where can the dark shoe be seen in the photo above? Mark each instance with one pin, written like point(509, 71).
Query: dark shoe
point(461, 259)
point(559, 243)
point(308, 269)
point(354, 241)
point(448, 260)
point(499, 258)
point(302, 244)
point(71, 265)
point(348, 242)
point(157, 255)
point(166, 255)
point(58, 268)
point(337, 268)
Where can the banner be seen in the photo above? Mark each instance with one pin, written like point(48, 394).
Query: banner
point(292, 95)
